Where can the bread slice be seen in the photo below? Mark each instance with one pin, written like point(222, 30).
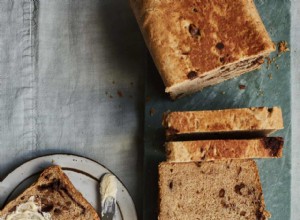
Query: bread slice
point(54, 194)
point(227, 189)
point(241, 122)
point(195, 44)
point(205, 150)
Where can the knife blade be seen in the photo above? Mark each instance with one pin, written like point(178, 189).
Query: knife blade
point(108, 208)
point(108, 193)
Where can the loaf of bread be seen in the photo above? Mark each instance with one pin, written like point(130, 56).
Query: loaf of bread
point(224, 189)
point(195, 44)
point(56, 196)
point(249, 122)
point(205, 150)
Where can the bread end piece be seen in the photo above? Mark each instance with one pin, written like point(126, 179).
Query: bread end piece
point(197, 44)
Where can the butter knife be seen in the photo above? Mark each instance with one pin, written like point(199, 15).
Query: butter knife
point(108, 192)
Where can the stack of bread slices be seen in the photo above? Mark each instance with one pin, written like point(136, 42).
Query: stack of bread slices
point(210, 172)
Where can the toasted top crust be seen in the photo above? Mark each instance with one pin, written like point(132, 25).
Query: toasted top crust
point(224, 189)
point(55, 194)
point(187, 36)
point(228, 120)
point(205, 150)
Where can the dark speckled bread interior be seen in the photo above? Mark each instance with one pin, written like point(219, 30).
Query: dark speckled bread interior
point(228, 189)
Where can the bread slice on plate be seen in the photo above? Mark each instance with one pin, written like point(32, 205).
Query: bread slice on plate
point(205, 150)
point(195, 44)
point(249, 122)
point(52, 197)
point(224, 189)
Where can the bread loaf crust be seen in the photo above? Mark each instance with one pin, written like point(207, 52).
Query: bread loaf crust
point(228, 120)
point(190, 38)
point(205, 150)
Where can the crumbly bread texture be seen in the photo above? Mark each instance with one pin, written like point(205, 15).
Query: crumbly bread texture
point(261, 120)
point(55, 194)
point(208, 190)
point(205, 150)
point(196, 43)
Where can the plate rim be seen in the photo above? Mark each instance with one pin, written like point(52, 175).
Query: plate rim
point(52, 154)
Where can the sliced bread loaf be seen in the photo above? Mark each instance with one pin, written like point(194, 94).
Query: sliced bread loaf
point(257, 121)
point(204, 150)
point(55, 196)
point(195, 44)
point(228, 189)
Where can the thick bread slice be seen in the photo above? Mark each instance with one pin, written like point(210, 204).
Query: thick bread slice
point(228, 189)
point(56, 195)
point(205, 150)
point(260, 120)
point(195, 43)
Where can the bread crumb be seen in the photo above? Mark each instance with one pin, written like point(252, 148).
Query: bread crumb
point(242, 87)
point(152, 111)
point(270, 76)
point(269, 61)
point(283, 47)
point(120, 94)
point(260, 92)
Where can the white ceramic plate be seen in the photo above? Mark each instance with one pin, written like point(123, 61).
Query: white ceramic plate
point(84, 174)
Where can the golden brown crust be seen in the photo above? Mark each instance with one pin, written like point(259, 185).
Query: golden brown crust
point(55, 193)
point(245, 119)
point(189, 38)
point(228, 189)
point(205, 150)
